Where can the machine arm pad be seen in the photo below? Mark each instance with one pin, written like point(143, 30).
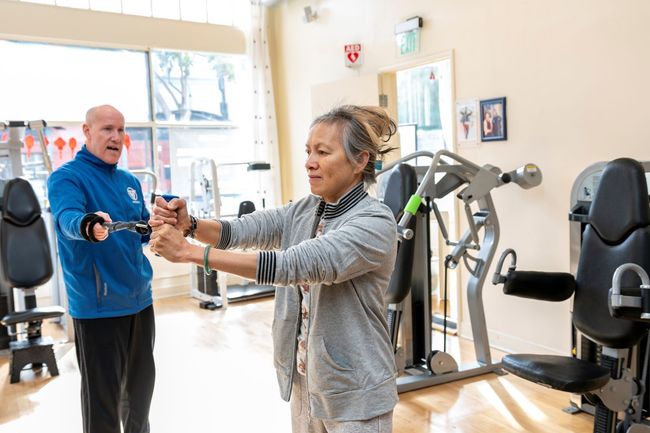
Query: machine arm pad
point(543, 286)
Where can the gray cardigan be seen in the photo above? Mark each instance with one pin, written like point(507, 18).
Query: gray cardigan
point(350, 363)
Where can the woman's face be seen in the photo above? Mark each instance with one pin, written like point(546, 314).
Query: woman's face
point(330, 172)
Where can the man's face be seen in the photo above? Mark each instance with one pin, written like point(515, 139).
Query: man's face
point(105, 134)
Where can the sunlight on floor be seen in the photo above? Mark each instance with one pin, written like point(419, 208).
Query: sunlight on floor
point(492, 398)
point(524, 402)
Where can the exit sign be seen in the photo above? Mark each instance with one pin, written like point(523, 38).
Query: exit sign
point(408, 42)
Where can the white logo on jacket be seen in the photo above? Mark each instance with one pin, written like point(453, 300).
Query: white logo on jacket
point(132, 193)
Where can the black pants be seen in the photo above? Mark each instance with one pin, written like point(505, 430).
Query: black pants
point(115, 357)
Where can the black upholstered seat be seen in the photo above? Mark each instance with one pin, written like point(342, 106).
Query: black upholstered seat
point(25, 262)
point(558, 372)
point(32, 314)
point(245, 207)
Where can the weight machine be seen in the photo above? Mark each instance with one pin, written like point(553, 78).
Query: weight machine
point(206, 202)
point(609, 307)
point(582, 194)
point(13, 166)
point(419, 365)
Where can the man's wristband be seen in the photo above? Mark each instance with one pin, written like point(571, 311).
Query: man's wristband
point(86, 227)
point(206, 264)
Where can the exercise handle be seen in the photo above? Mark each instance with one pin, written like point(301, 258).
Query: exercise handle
point(141, 227)
point(498, 278)
point(410, 210)
point(618, 274)
point(617, 300)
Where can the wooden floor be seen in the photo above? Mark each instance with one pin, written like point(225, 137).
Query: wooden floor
point(215, 374)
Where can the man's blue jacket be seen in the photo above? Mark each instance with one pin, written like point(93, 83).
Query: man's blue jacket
point(110, 278)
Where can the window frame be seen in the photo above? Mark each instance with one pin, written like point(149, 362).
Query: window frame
point(152, 124)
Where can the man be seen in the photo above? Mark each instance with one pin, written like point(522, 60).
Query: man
point(107, 278)
point(497, 128)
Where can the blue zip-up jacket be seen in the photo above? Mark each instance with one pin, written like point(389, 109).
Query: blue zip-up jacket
point(110, 278)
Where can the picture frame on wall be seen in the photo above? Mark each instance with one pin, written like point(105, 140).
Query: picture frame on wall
point(493, 119)
point(467, 121)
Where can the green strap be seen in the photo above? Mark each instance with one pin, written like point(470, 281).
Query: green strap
point(413, 205)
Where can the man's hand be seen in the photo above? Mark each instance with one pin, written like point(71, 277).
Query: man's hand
point(173, 212)
point(99, 231)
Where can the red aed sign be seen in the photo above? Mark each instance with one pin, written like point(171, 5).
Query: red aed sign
point(353, 55)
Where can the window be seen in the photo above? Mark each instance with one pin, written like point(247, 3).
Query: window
point(106, 5)
point(225, 146)
point(169, 9)
point(60, 92)
point(79, 4)
point(201, 104)
point(424, 93)
point(137, 7)
point(203, 100)
point(196, 87)
point(58, 83)
point(224, 12)
point(193, 10)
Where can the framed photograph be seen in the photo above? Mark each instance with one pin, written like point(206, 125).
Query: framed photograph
point(493, 120)
point(467, 121)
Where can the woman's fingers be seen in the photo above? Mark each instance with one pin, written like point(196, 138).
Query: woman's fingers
point(156, 224)
point(163, 211)
point(159, 219)
point(166, 242)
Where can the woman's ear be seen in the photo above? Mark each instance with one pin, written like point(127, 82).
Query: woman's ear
point(363, 161)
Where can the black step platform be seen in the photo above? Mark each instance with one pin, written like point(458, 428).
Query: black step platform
point(244, 292)
point(35, 351)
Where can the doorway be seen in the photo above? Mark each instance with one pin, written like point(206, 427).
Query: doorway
point(420, 97)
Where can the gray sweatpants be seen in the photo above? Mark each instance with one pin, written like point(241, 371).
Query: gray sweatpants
point(302, 422)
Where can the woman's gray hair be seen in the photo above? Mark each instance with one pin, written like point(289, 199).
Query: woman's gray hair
point(363, 129)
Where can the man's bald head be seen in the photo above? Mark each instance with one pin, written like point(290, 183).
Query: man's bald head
point(104, 132)
point(94, 112)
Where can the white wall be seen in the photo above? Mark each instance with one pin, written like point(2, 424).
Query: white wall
point(575, 74)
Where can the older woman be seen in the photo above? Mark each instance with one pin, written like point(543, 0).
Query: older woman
point(331, 255)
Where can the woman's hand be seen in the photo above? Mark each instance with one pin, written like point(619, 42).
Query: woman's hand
point(173, 212)
point(169, 243)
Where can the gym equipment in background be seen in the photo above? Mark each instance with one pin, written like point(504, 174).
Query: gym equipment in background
point(419, 365)
point(25, 264)
point(214, 291)
point(36, 167)
point(616, 232)
point(152, 184)
point(10, 151)
point(582, 194)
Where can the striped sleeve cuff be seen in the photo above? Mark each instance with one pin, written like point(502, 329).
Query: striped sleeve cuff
point(224, 242)
point(266, 263)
